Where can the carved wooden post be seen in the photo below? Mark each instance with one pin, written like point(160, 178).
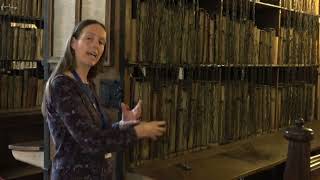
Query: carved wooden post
point(298, 162)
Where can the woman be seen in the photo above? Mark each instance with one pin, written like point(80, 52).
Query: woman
point(81, 132)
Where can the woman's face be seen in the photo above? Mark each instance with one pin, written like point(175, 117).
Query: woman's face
point(89, 47)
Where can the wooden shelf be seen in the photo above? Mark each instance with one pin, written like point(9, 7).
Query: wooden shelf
point(159, 65)
point(23, 19)
point(27, 146)
point(20, 112)
point(231, 161)
point(299, 12)
point(19, 172)
point(267, 5)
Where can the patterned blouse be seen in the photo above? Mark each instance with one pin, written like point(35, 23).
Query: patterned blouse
point(76, 128)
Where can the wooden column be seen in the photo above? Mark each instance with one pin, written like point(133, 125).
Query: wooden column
point(298, 162)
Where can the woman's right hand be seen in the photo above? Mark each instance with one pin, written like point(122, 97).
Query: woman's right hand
point(152, 129)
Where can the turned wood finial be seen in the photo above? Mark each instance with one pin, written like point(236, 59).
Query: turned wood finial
point(298, 161)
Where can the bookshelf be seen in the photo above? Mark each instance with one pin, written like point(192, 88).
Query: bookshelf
point(21, 80)
point(21, 55)
point(219, 72)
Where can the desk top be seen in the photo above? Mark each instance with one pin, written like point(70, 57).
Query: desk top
point(27, 146)
point(230, 161)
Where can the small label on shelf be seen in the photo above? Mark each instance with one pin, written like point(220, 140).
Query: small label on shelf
point(181, 73)
point(144, 71)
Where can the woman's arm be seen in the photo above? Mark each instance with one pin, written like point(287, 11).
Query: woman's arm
point(73, 113)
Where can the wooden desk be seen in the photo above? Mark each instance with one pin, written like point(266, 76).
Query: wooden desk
point(231, 161)
point(29, 152)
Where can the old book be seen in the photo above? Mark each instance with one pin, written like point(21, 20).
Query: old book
point(11, 90)
point(18, 91)
point(252, 106)
point(166, 104)
point(251, 42)
point(184, 38)
point(154, 36)
point(256, 45)
point(135, 94)
point(280, 46)
point(223, 37)
point(9, 45)
point(24, 7)
point(4, 90)
point(222, 123)
point(27, 53)
point(262, 47)
point(205, 103)
point(182, 118)
point(39, 44)
point(237, 45)
point(267, 47)
point(214, 128)
point(31, 90)
point(146, 116)
point(217, 37)
point(155, 149)
point(235, 99)
point(267, 108)
point(40, 89)
point(25, 89)
point(211, 41)
point(128, 31)
point(173, 119)
point(142, 32)
point(133, 50)
point(191, 38)
point(28, 10)
point(206, 24)
point(242, 38)
point(193, 116)
point(33, 44)
point(245, 111)
point(274, 48)
point(1, 36)
point(4, 39)
point(34, 92)
point(21, 50)
point(34, 7)
point(290, 46)
point(273, 106)
point(15, 43)
point(39, 8)
point(279, 107)
point(19, 7)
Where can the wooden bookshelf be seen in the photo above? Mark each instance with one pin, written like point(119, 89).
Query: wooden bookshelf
point(243, 66)
point(20, 112)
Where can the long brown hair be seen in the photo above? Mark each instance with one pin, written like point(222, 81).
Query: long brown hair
point(68, 61)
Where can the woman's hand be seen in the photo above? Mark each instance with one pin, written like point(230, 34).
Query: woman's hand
point(130, 117)
point(152, 129)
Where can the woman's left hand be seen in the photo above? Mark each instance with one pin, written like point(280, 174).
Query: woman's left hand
point(131, 117)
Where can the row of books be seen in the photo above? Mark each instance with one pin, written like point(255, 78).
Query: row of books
point(20, 42)
point(26, 8)
point(202, 113)
point(165, 34)
point(309, 6)
point(20, 91)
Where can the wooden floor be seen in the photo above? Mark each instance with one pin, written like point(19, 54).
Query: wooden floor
point(230, 161)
